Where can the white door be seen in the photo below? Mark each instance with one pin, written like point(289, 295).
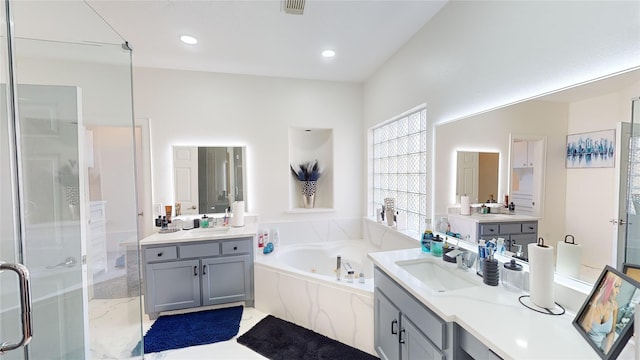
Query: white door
point(468, 170)
point(185, 178)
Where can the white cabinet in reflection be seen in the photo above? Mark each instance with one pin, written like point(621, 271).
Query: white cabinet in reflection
point(527, 174)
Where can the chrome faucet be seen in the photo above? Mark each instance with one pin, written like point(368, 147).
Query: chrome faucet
point(350, 272)
point(465, 260)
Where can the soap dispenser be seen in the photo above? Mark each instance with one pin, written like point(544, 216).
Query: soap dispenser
point(204, 222)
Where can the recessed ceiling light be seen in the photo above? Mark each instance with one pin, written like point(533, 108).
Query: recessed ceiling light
point(188, 39)
point(328, 53)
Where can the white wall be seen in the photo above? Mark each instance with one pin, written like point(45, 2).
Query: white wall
point(196, 108)
point(592, 193)
point(477, 55)
point(490, 132)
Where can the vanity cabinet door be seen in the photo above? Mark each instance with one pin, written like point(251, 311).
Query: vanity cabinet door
point(415, 345)
point(386, 327)
point(172, 285)
point(226, 279)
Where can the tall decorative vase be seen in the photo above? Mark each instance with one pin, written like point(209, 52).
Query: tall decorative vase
point(309, 194)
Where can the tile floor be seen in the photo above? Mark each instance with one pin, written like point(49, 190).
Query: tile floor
point(115, 331)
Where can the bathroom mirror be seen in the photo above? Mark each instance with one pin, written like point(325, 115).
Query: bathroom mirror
point(570, 196)
point(477, 175)
point(207, 179)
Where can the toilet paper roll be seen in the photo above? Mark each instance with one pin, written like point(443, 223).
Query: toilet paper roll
point(568, 259)
point(541, 275)
point(237, 214)
point(465, 205)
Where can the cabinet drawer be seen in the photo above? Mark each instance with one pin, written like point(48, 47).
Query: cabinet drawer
point(474, 347)
point(199, 250)
point(514, 228)
point(531, 227)
point(160, 253)
point(489, 229)
point(236, 247)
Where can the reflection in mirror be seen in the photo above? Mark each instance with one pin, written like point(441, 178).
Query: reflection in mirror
point(477, 175)
point(208, 179)
point(587, 203)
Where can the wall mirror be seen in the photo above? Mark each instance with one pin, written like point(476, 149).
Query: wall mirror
point(208, 179)
point(588, 203)
point(477, 175)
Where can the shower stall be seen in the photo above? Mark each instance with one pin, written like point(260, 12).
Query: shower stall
point(69, 271)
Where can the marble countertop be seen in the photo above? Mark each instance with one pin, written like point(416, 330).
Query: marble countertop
point(199, 234)
point(492, 314)
point(494, 218)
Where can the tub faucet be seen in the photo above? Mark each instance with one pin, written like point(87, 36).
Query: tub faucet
point(338, 267)
point(350, 272)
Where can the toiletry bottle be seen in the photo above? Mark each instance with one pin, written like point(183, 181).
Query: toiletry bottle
point(204, 222)
point(436, 246)
point(260, 239)
point(481, 256)
point(275, 237)
point(426, 240)
point(159, 221)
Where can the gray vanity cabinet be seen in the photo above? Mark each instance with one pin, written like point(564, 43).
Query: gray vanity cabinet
point(198, 273)
point(404, 328)
point(225, 279)
point(514, 233)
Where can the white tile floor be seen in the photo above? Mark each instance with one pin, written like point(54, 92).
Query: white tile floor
point(115, 331)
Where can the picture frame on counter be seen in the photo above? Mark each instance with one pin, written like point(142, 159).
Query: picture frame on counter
point(605, 320)
point(591, 150)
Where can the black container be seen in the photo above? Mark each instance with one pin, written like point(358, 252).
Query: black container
point(196, 223)
point(491, 272)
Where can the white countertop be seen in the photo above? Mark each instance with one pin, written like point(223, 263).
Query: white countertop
point(492, 314)
point(198, 234)
point(494, 218)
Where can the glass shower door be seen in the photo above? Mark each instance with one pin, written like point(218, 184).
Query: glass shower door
point(67, 184)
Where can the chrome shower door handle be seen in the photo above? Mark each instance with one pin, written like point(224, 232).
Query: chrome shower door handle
point(25, 306)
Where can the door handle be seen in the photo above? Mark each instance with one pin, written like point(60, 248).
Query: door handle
point(619, 222)
point(394, 331)
point(25, 306)
point(401, 339)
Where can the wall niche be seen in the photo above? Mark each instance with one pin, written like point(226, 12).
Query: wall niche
point(305, 145)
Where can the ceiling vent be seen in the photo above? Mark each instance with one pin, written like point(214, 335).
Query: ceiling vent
point(295, 7)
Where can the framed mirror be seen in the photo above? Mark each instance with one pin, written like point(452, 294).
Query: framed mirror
point(208, 179)
point(477, 175)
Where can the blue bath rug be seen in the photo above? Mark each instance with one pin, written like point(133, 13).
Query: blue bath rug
point(190, 329)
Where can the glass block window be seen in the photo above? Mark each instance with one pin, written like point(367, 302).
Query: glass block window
point(399, 169)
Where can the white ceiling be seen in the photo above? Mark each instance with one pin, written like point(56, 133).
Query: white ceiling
point(258, 38)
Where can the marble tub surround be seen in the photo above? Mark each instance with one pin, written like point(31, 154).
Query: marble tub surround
point(384, 237)
point(332, 310)
point(492, 314)
point(339, 310)
point(315, 231)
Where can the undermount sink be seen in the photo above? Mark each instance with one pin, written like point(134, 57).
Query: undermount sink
point(434, 276)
